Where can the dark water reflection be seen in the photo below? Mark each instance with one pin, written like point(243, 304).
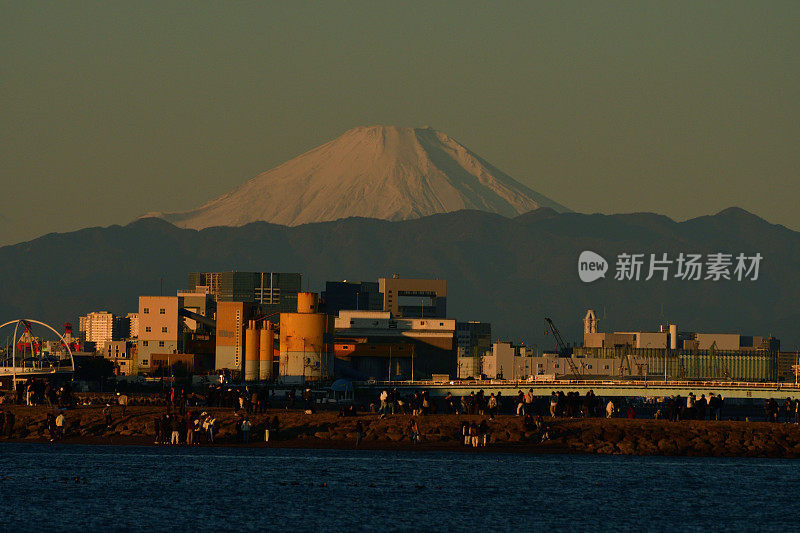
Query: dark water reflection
point(148, 488)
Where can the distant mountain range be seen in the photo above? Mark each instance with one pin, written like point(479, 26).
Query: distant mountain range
point(381, 172)
point(510, 271)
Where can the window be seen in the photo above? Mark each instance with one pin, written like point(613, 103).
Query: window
point(146, 310)
point(160, 344)
point(590, 367)
point(556, 365)
point(162, 311)
point(164, 329)
point(441, 323)
point(148, 329)
point(145, 343)
point(540, 365)
point(606, 367)
point(352, 321)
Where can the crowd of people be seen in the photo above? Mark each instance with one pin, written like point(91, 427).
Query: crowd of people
point(788, 410)
point(676, 408)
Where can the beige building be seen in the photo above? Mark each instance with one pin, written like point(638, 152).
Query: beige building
point(123, 355)
point(159, 327)
point(507, 361)
point(414, 298)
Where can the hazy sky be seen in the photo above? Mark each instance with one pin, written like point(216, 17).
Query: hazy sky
point(110, 110)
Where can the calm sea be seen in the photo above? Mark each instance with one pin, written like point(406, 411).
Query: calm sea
point(227, 489)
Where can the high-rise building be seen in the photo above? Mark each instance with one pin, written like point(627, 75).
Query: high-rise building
point(133, 323)
point(273, 291)
point(414, 298)
point(347, 295)
point(100, 327)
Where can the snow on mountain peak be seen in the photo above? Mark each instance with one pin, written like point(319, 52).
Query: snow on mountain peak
point(384, 172)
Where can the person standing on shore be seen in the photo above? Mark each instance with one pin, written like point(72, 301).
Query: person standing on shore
point(712, 406)
point(246, 430)
point(553, 403)
point(492, 404)
point(473, 434)
point(60, 425)
point(449, 407)
point(384, 398)
point(690, 406)
point(51, 426)
point(413, 429)
point(173, 426)
point(107, 414)
point(610, 409)
point(483, 433)
point(359, 432)
point(520, 403)
point(157, 429)
point(189, 425)
point(123, 402)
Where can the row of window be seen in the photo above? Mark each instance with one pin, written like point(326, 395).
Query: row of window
point(148, 329)
point(146, 311)
point(587, 366)
point(161, 344)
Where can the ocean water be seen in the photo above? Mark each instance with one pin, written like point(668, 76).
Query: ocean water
point(233, 489)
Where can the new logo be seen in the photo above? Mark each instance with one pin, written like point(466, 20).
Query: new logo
point(591, 266)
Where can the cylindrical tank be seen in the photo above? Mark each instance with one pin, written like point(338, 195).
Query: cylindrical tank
point(673, 337)
point(251, 352)
point(307, 302)
point(306, 351)
point(266, 345)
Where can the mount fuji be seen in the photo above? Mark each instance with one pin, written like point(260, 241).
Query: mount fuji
point(382, 172)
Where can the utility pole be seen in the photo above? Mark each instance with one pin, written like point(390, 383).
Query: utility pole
point(390, 364)
point(413, 356)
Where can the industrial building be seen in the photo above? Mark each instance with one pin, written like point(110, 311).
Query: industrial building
point(232, 320)
point(414, 298)
point(473, 340)
point(344, 295)
point(180, 363)
point(666, 353)
point(507, 360)
point(273, 291)
point(306, 342)
point(430, 341)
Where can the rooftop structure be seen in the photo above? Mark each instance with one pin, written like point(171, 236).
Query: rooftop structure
point(273, 291)
point(414, 298)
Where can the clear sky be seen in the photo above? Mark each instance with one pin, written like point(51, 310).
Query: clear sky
point(113, 109)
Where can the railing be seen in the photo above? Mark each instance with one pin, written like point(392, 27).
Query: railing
point(486, 383)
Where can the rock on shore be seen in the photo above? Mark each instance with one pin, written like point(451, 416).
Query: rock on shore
point(439, 432)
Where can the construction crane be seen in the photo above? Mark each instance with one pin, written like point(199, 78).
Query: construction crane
point(563, 350)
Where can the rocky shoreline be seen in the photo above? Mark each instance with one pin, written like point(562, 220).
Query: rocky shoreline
point(87, 425)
